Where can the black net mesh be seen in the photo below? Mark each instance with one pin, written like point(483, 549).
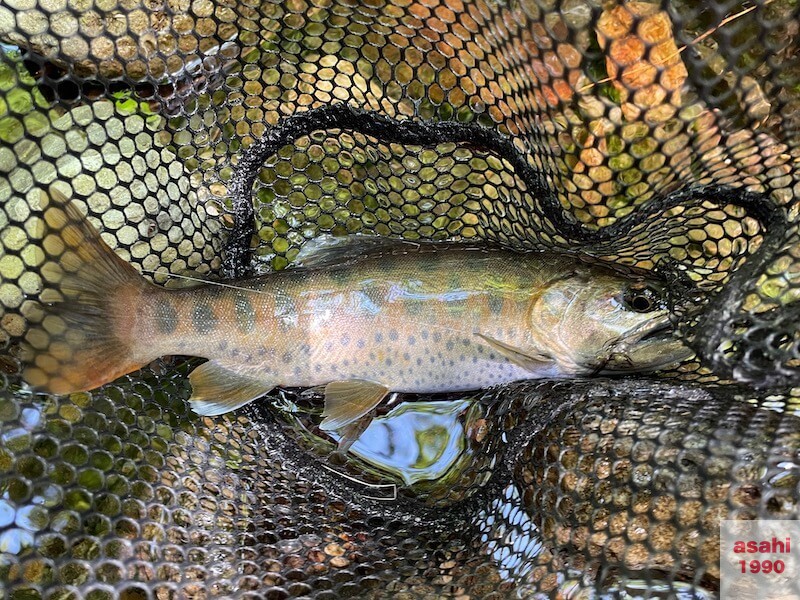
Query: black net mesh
point(218, 138)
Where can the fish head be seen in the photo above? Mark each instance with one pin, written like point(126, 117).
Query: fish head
point(600, 321)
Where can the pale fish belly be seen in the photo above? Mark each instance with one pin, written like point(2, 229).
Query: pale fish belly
point(405, 359)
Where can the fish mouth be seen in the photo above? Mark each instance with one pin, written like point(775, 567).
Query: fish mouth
point(660, 328)
point(647, 347)
point(649, 330)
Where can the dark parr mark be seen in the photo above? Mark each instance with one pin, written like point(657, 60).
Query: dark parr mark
point(414, 306)
point(203, 317)
point(245, 315)
point(375, 295)
point(166, 317)
point(340, 276)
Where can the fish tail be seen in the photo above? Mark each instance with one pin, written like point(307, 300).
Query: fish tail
point(81, 335)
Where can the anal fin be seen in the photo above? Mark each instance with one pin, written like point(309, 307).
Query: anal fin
point(217, 390)
point(527, 359)
point(349, 400)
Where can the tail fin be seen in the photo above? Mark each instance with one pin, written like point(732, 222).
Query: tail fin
point(83, 339)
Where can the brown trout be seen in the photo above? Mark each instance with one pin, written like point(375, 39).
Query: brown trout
point(363, 318)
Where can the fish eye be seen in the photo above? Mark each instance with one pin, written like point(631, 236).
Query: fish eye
point(642, 298)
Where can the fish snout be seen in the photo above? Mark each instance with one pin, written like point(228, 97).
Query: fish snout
point(649, 346)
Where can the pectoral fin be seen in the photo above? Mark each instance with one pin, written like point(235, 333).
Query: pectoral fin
point(217, 390)
point(527, 359)
point(347, 401)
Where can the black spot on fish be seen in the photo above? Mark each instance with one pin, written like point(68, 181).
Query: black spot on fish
point(450, 345)
point(424, 335)
point(287, 357)
point(345, 340)
point(388, 362)
point(166, 317)
point(262, 351)
point(412, 340)
point(437, 337)
point(203, 317)
point(378, 337)
point(393, 335)
point(318, 368)
point(406, 356)
point(419, 362)
point(496, 304)
point(360, 343)
point(297, 371)
point(466, 342)
point(222, 346)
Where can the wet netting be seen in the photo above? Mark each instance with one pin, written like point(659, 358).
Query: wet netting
point(216, 138)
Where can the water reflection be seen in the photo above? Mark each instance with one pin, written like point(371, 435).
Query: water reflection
point(439, 449)
point(21, 513)
point(415, 442)
point(510, 537)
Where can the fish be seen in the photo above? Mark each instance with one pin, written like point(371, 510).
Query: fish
point(362, 316)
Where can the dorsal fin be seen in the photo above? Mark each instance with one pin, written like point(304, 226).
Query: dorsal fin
point(329, 250)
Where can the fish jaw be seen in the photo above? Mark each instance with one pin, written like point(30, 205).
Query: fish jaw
point(650, 346)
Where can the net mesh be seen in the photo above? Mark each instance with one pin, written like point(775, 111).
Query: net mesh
point(218, 138)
